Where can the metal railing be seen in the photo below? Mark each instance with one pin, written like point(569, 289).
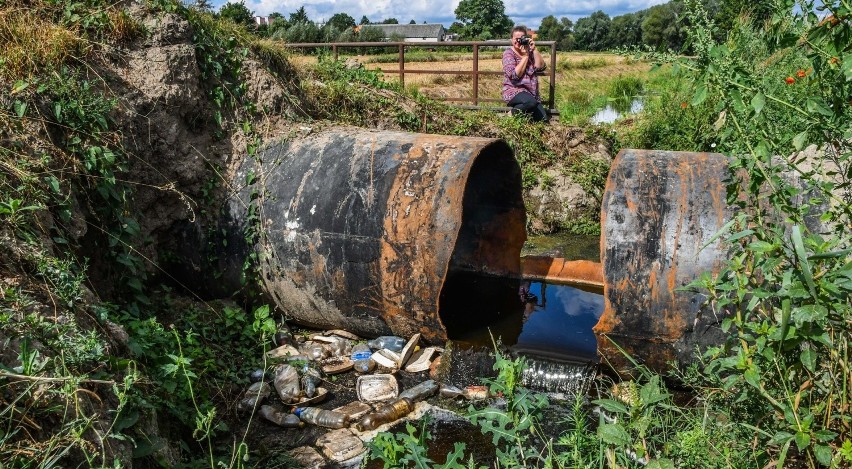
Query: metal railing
point(475, 73)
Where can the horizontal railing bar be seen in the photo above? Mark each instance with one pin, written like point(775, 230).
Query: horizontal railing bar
point(407, 44)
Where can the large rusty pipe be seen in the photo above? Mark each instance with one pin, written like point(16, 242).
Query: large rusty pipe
point(360, 228)
point(660, 209)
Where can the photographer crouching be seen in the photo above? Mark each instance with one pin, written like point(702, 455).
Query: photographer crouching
point(520, 83)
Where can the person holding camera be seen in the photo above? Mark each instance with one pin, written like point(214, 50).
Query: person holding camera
point(521, 62)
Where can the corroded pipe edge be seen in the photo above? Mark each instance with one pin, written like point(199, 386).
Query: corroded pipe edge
point(562, 271)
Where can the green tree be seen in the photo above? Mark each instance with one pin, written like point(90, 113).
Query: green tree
point(364, 20)
point(729, 11)
point(299, 16)
point(626, 30)
point(663, 27)
point(201, 5)
point(412, 22)
point(592, 32)
point(552, 29)
point(237, 12)
point(390, 21)
point(483, 19)
point(302, 32)
point(341, 22)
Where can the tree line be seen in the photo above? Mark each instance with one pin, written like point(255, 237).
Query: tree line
point(660, 27)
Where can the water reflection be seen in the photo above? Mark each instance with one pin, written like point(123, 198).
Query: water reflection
point(554, 322)
point(616, 109)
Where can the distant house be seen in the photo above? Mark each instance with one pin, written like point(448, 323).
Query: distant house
point(262, 20)
point(413, 32)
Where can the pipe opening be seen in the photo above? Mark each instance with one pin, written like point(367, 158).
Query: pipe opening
point(481, 285)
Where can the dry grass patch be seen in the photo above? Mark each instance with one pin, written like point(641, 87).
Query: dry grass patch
point(29, 43)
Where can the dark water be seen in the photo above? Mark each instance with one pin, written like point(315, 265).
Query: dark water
point(555, 322)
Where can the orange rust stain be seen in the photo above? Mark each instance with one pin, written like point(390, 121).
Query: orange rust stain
point(559, 270)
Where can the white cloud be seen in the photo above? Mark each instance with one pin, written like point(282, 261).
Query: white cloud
point(441, 11)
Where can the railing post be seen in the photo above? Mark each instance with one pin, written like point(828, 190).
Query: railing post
point(334, 50)
point(476, 74)
point(402, 66)
point(551, 100)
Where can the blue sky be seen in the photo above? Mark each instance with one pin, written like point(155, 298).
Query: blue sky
point(529, 13)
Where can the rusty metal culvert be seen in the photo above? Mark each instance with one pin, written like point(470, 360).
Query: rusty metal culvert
point(660, 210)
point(359, 229)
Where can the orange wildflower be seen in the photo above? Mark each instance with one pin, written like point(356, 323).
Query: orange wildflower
point(683, 105)
point(801, 73)
point(790, 80)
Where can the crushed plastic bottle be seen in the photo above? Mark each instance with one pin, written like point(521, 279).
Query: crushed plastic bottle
point(385, 414)
point(255, 394)
point(420, 391)
point(340, 347)
point(257, 375)
point(322, 417)
point(280, 418)
point(315, 351)
point(310, 379)
point(286, 382)
point(390, 342)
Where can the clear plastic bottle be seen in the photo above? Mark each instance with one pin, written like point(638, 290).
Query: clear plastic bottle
point(420, 391)
point(322, 417)
point(255, 394)
point(310, 380)
point(390, 342)
point(283, 336)
point(448, 390)
point(282, 419)
point(360, 352)
point(364, 365)
point(385, 414)
point(286, 382)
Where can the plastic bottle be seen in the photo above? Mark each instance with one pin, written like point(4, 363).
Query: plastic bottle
point(310, 379)
point(286, 382)
point(390, 342)
point(420, 391)
point(283, 336)
point(255, 394)
point(322, 417)
point(365, 365)
point(315, 352)
point(282, 419)
point(448, 390)
point(385, 414)
point(360, 352)
point(257, 376)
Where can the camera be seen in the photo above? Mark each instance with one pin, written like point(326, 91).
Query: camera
point(524, 40)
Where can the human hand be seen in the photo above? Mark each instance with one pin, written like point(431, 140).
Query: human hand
point(532, 45)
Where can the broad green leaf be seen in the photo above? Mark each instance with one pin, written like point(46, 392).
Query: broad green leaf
point(757, 102)
point(700, 95)
point(808, 358)
point(761, 246)
point(613, 434)
point(611, 405)
point(802, 440)
point(823, 454)
point(20, 108)
point(825, 435)
point(799, 140)
point(815, 104)
point(19, 86)
point(847, 66)
point(661, 464)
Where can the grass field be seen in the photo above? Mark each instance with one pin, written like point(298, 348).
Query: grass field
point(585, 82)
